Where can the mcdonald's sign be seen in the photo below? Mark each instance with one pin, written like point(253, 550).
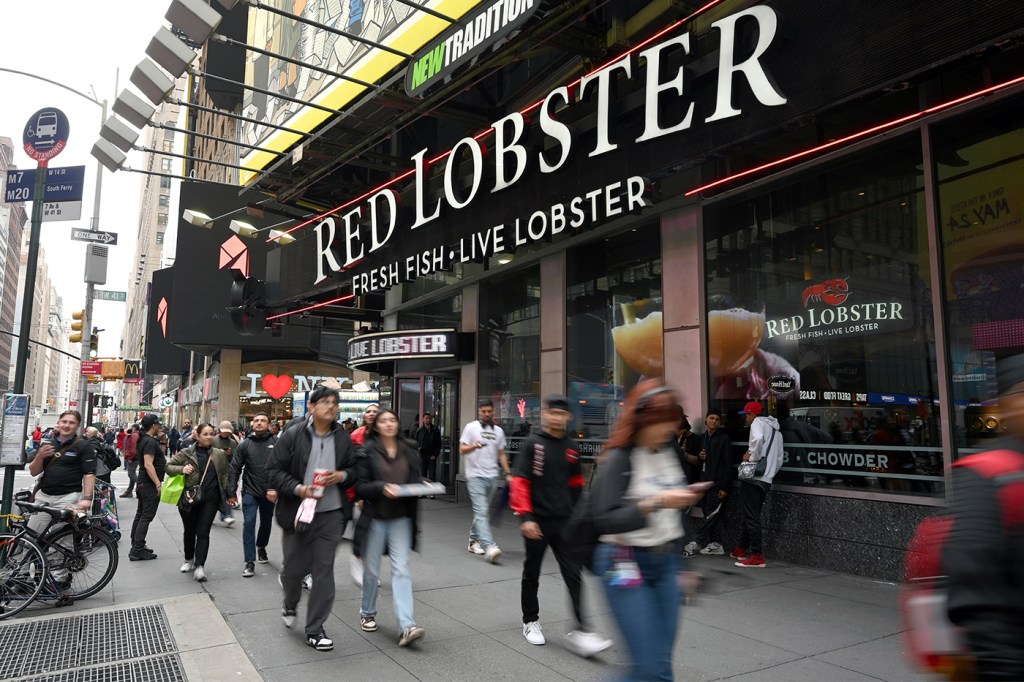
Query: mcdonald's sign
point(133, 371)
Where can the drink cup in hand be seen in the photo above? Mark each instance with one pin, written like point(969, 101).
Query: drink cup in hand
point(319, 482)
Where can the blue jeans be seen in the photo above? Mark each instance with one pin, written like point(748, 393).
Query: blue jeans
point(250, 506)
point(481, 490)
point(397, 534)
point(647, 614)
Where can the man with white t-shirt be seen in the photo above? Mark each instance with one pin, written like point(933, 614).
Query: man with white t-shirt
point(483, 446)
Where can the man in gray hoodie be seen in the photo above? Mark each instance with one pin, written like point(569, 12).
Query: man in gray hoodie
point(765, 441)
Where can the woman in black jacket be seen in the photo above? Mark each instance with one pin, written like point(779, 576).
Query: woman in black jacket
point(636, 502)
point(384, 463)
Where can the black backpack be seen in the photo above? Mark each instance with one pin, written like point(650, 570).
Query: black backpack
point(109, 456)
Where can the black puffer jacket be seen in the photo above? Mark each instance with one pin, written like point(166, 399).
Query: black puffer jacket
point(287, 467)
point(249, 463)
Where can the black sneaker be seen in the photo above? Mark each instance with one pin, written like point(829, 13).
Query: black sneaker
point(138, 555)
point(249, 570)
point(261, 555)
point(320, 641)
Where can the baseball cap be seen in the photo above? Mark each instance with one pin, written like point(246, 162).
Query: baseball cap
point(556, 402)
point(148, 421)
point(754, 408)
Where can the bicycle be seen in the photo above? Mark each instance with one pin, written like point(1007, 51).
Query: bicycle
point(78, 559)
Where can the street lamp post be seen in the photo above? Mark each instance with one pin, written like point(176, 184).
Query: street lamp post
point(33, 251)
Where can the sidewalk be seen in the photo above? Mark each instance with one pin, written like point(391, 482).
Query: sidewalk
point(779, 623)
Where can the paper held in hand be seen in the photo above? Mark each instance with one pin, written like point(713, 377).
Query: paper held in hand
point(420, 489)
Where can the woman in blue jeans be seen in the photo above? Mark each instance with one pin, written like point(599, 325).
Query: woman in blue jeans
point(636, 501)
point(385, 462)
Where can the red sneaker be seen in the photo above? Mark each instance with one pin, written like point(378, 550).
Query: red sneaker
point(753, 561)
point(739, 554)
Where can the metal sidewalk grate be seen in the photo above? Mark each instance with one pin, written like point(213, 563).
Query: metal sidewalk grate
point(126, 645)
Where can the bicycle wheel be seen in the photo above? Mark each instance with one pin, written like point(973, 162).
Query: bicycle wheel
point(22, 573)
point(81, 560)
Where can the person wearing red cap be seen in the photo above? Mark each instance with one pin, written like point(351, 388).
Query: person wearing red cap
point(765, 442)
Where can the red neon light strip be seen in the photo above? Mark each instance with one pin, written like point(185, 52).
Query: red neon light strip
point(486, 132)
point(856, 136)
point(347, 297)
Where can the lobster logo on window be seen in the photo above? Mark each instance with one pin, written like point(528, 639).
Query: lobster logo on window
point(830, 292)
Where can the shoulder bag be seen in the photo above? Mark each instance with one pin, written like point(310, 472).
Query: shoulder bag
point(193, 494)
point(751, 470)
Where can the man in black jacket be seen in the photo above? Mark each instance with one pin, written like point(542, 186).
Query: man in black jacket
point(428, 437)
point(319, 444)
point(248, 464)
point(982, 557)
point(547, 480)
point(716, 467)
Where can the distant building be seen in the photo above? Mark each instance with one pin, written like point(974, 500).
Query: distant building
point(12, 222)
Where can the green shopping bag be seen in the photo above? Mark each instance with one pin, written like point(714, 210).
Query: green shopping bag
point(172, 488)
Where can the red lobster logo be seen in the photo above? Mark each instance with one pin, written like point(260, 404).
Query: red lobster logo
point(831, 292)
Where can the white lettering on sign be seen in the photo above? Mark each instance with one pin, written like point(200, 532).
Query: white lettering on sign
point(426, 344)
point(303, 383)
point(830, 321)
point(848, 459)
point(510, 158)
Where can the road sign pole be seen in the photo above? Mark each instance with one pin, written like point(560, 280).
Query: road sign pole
point(21, 363)
point(83, 384)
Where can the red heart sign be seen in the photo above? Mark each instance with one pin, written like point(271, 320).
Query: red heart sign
point(276, 386)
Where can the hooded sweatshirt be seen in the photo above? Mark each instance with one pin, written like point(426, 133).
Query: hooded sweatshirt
point(547, 477)
point(761, 430)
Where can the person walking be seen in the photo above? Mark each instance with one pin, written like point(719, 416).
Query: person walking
point(547, 480)
point(482, 444)
point(981, 557)
point(716, 468)
point(636, 501)
point(248, 465)
point(148, 486)
point(362, 525)
point(119, 441)
point(428, 440)
point(174, 439)
point(186, 438)
point(318, 448)
point(37, 436)
point(206, 469)
point(765, 442)
point(226, 441)
point(384, 463)
point(131, 459)
point(92, 436)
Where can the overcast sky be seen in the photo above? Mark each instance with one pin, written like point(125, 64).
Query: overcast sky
point(81, 44)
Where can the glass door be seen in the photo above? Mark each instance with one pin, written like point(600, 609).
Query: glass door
point(437, 395)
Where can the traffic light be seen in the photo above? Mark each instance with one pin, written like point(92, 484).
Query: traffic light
point(76, 327)
point(94, 346)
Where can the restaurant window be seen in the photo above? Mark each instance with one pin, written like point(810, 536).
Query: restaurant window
point(979, 167)
point(613, 327)
point(509, 355)
point(442, 314)
point(819, 305)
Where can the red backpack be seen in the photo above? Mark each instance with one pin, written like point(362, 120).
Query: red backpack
point(932, 641)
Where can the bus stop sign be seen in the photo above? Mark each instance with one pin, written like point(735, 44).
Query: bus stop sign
point(46, 134)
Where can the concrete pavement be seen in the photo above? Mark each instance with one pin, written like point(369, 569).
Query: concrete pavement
point(779, 623)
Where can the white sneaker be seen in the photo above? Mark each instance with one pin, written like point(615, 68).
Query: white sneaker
point(307, 582)
point(199, 574)
point(356, 566)
point(533, 634)
point(187, 567)
point(229, 521)
point(474, 547)
point(492, 554)
point(713, 548)
point(586, 644)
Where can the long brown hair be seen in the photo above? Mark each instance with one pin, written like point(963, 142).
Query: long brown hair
point(649, 402)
